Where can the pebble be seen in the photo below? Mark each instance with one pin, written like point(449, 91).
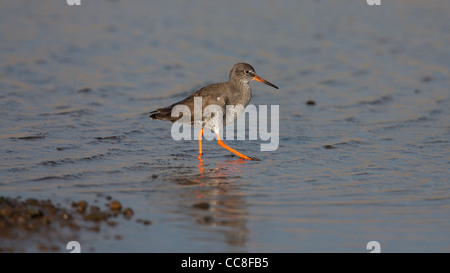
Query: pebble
point(115, 206)
point(202, 205)
point(128, 213)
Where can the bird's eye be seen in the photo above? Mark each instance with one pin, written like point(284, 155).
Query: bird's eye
point(247, 71)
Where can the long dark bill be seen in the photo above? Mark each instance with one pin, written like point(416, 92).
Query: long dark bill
point(257, 78)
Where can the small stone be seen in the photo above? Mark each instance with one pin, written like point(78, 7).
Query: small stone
point(66, 216)
point(328, 147)
point(202, 205)
point(81, 207)
point(128, 213)
point(84, 90)
point(115, 206)
point(427, 79)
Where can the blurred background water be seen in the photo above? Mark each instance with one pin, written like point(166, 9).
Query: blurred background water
point(369, 161)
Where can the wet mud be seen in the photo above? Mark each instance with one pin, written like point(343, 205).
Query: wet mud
point(42, 225)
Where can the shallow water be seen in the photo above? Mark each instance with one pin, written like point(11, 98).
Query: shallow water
point(370, 161)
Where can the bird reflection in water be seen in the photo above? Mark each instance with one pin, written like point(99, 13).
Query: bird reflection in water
point(220, 202)
point(226, 170)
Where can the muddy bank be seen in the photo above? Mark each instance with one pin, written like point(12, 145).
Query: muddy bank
point(41, 225)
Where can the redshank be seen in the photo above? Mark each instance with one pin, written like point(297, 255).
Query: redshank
point(235, 92)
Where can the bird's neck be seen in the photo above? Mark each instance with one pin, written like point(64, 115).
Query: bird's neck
point(242, 85)
point(245, 93)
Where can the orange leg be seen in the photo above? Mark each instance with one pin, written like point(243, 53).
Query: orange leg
point(223, 145)
point(200, 164)
point(200, 136)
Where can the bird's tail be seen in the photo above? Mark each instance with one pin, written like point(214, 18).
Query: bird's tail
point(163, 114)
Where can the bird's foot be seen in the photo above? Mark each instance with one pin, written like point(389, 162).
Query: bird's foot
point(250, 158)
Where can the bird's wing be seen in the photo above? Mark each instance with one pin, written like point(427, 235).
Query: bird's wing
point(209, 96)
